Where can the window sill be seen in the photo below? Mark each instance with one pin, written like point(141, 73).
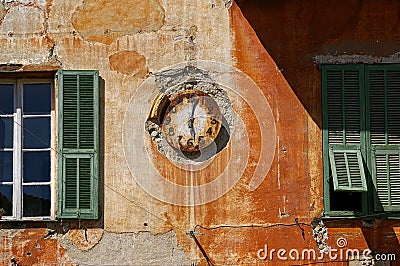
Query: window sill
point(28, 219)
point(384, 216)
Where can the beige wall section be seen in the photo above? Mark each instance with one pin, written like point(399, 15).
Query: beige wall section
point(178, 30)
point(23, 41)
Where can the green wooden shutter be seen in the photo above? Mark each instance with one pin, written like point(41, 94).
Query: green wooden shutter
point(386, 173)
point(343, 109)
point(78, 144)
point(384, 121)
point(347, 170)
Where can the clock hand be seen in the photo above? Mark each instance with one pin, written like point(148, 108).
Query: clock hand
point(192, 132)
point(194, 105)
point(191, 118)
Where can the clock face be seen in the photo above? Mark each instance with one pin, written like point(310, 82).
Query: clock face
point(192, 121)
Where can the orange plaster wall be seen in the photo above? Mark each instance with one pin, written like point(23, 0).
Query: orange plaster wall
point(287, 35)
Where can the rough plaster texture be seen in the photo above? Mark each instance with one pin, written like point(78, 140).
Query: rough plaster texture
point(3, 11)
point(160, 48)
point(142, 248)
point(109, 37)
point(24, 41)
point(33, 22)
point(29, 246)
point(105, 21)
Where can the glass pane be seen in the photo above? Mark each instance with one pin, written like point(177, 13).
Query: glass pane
point(36, 201)
point(36, 166)
point(6, 132)
point(37, 98)
point(36, 133)
point(6, 166)
point(6, 99)
point(6, 195)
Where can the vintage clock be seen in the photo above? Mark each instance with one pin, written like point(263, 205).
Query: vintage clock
point(190, 120)
point(201, 125)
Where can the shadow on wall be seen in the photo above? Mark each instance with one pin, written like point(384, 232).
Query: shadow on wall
point(294, 32)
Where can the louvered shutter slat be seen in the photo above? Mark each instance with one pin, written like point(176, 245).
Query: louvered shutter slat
point(393, 106)
point(86, 94)
point(386, 172)
point(377, 107)
point(85, 183)
point(334, 95)
point(71, 188)
point(70, 115)
point(394, 179)
point(351, 103)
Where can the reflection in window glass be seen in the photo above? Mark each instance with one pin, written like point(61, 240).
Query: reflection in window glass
point(6, 132)
point(6, 99)
point(6, 195)
point(36, 201)
point(36, 133)
point(6, 166)
point(37, 98)
point(36, 166)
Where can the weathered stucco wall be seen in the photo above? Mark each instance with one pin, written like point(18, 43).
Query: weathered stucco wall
point(125, 41)
point(301, 35)
point(277, 44)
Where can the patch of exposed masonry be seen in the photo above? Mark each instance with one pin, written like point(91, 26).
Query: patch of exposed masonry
point(356, 59)
point(172, 81)
point(186, 38)
point(9, 232)
point(320, 234)
point(142, 248)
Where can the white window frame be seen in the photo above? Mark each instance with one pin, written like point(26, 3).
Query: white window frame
point(18, 151)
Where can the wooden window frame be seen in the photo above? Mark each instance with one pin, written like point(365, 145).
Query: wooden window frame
point(17, 184)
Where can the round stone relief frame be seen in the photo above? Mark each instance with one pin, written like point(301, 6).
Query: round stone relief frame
point(136, 137)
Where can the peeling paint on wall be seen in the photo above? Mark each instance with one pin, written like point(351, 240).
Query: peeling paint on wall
point(184, 40)
point(32, 24)
point(104, 21)
point(125, 40)
point(30, 247)
point(129, 249)
point(31, 51)
point(129, 63)
point(85, 238)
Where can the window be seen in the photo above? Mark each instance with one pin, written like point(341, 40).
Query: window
point(361, 139)
point(26, 147)
point(33, 146)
